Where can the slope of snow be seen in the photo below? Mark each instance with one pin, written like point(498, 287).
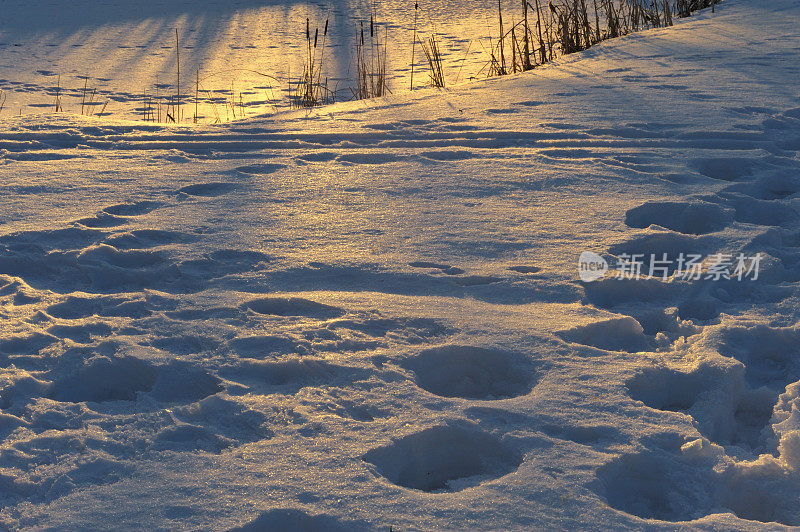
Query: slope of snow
point(369, 315)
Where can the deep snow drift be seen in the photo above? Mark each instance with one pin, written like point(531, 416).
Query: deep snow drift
point(370, 315)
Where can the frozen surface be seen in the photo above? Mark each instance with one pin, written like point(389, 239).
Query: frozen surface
point(241, 51)
point(369, 315)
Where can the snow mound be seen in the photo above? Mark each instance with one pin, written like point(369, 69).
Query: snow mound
point(296, 520)
point(789, 449)
point(616, 334)
point(786, 421)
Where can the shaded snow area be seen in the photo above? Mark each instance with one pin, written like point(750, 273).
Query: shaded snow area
point(369, 315)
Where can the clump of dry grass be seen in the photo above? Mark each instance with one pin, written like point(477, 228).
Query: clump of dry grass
point(87, 98)
point(434, 57)
point(58, 106)
point(310, 90)
point(371, 55)
point(176, 115)
point(563, 27)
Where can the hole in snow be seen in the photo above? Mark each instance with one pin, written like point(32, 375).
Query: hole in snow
point(102, 379)
point(725, 169)
point(207, 189)
point(444, 458)
point(184, 382)
point(260, 169)
point(472, 372)
point(714, 394)
point(771, 355)
point(651, 486)
point(293, 306)
point(667, 389)
point(768, 502)
point(132, 209)
point(760, 212)
point(690, 218)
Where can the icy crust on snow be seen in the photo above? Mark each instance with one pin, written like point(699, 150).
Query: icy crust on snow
point(368, 315)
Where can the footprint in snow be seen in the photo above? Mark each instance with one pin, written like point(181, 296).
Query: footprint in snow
point(695, 218)
point(472, 372)
point(102, 379)
point(615, 334)
point(444, 268)
point(530, 103)
point(137, 208)
point(476, 280)
point(102, 220)
point(448, 155)
point(445, 458)
point(504, 111)
point(293, 306)
point(260, 169)
point(725, 168)
point(368, 158)
point(146, 238)
point(525, 269)
point(317, 157)
point(207, 189)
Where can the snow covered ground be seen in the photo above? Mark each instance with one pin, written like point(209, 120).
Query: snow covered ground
point(370, 315)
